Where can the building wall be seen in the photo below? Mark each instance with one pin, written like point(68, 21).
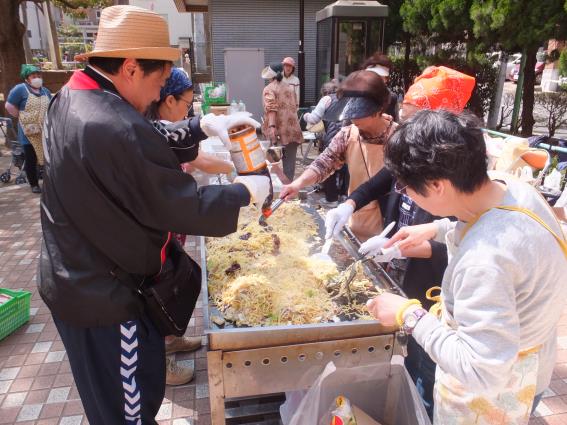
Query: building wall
point(36, 27)
point(179, 23)
point(272, 25)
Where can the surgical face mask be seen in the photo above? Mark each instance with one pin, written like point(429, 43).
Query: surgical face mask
point(36, 82)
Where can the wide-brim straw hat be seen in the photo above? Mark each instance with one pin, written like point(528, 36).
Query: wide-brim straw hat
point(132, 32)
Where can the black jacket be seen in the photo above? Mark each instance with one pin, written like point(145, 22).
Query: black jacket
point(421, 273)
point(113, 190)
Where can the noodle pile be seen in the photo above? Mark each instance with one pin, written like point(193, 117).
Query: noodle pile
point(262, 276)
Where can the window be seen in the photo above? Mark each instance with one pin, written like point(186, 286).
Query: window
point(98, 14)
point(90, 34)
point(29, 34)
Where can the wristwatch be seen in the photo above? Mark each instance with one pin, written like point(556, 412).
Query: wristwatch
point(411, 320)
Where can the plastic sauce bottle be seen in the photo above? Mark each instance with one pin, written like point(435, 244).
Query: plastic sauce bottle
point(233, 107)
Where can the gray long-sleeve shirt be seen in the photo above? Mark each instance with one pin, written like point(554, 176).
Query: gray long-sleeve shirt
point(503, 290)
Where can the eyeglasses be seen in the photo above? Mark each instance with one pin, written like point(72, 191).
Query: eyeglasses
point(398, 188)
point(188, 103)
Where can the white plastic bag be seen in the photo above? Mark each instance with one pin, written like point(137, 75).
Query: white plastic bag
point(553, 180)
point(384, 391)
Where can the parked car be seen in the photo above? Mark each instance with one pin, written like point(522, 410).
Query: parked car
point(539, 67)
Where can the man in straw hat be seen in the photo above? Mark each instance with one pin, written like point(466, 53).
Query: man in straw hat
point(113, 189)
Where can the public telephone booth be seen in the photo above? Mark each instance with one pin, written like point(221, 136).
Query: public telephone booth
point(347, 33)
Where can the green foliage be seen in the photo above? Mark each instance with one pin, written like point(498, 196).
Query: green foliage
point(563, 63)
point(396, 83)
point(521, 23)
point(394, 26)
point(69, 31)
point(78, 8)
point(443, 20)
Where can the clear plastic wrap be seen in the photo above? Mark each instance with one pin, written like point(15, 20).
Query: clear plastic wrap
point(384, 391)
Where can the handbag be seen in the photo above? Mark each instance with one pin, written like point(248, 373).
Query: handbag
point(170, 296)
point(317, 127)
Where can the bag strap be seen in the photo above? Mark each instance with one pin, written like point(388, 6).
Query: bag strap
point(529, 213)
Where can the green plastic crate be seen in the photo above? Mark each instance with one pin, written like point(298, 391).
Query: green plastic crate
point(15, 312)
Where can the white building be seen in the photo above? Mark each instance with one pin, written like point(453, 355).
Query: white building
point(180, 24)
point(36, 31)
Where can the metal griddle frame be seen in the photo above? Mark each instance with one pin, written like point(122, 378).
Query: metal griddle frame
point(254, 361)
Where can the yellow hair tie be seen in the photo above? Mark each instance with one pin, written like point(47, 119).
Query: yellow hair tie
point(402, 310)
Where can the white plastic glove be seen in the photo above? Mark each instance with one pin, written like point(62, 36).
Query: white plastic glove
point(373, 246)
point(258, 186)
point(218, 125)
point(388, 254)
point(336, 220)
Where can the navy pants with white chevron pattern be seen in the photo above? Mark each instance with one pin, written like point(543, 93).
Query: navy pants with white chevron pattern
point(119, 370)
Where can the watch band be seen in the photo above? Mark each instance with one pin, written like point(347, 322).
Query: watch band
point(412, 319)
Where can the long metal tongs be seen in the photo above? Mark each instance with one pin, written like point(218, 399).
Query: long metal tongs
point(353, 268)
point(265, 214)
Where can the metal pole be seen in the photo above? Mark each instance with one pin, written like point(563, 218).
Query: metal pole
point(497, 99)
point(301, 53)
point(518, 96)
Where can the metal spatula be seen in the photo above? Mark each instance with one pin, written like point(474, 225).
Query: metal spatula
point(324, 254)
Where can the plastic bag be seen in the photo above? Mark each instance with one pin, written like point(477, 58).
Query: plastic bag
point(553, 180)
point(384, 391)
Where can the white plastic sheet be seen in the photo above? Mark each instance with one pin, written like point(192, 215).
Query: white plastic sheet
point(384, 391)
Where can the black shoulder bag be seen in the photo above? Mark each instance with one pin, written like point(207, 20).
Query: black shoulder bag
point(169, 297)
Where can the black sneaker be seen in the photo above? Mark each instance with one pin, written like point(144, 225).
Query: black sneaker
point(36, 189)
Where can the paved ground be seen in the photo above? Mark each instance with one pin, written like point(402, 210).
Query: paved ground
point(36, 385)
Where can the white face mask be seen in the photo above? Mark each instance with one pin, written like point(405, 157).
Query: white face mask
point(36, 82)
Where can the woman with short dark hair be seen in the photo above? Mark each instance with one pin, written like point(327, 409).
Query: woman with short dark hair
point(493, 334)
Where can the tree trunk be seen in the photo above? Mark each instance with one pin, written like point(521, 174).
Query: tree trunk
point(406, 70)
point(11, 47)
point(528, 93)
point(54, 52)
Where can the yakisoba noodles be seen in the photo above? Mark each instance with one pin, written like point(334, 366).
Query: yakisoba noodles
point(265, 276)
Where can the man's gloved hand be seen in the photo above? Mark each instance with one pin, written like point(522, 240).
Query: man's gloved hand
point(388, 254)
point(218, 125)
point(258, 186)
point(336, 220)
